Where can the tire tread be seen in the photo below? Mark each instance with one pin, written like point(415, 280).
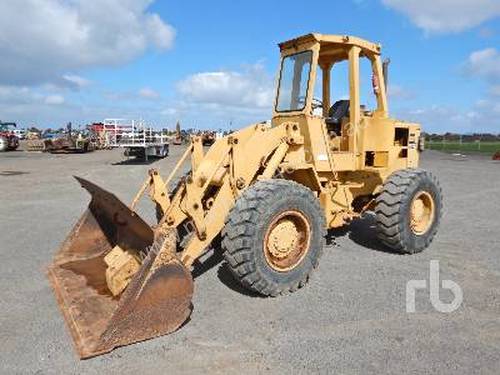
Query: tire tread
point(240, 227)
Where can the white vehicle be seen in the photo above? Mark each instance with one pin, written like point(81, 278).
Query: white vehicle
point(141, 141)
point(20, 133)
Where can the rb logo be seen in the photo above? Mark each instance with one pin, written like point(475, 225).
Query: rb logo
point(440, 306)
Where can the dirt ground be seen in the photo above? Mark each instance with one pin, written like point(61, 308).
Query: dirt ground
point(350, 318)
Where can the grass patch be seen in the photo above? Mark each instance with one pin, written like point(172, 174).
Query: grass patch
point(468, 147)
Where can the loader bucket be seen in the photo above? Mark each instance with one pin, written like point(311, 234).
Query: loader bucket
point(157, 300)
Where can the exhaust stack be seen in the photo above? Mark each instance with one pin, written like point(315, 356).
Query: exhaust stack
point(385, 72)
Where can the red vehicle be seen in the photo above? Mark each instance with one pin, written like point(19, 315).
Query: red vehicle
point(8, 140)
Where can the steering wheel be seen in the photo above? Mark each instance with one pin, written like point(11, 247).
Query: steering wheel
point(315, 102)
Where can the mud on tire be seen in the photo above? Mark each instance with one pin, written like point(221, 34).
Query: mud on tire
point(246, 231)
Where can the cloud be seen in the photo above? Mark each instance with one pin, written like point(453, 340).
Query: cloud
point(54, 99)
point(484, 63)
point(400, 92)
point(486, 32)
point(446, 16)
point(42, 40)
point(438, 119)
point(148, 93)
point(251, 89)
point(481, 117)
point(169, 111)
point(224, 98)
point(490, 106)
point(49, 107)
point(131, 97)
point(76, 81)
point(25, 105)
point(12, 96)
point(494, 90)
point(160, 33)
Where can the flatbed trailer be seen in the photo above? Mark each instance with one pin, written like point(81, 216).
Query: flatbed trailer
point(142, 142)
point(147, 150)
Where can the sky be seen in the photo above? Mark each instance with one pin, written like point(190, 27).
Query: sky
point(212, 64)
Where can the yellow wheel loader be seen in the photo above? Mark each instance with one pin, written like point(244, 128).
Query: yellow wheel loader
point(268, 192)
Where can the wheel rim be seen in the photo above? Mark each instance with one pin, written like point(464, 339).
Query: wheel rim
point(421, 213)
point(287, 240)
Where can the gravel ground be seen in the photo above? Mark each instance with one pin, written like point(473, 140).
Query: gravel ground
point(350, 318)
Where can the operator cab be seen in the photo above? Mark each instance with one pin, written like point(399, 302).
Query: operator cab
point(307, 62)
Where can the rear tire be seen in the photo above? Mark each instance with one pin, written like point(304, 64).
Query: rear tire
point(274, 237)
point(409, 210)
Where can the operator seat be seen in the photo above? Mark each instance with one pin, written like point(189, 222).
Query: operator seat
point(338, 110)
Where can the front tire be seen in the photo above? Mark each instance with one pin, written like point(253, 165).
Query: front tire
point(409, 210)
point(274, 237)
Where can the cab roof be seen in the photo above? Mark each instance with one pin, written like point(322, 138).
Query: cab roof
point(324, 40)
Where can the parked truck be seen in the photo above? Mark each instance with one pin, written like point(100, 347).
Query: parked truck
point(8, 139)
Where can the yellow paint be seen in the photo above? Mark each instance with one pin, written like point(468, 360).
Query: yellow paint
point(341, 165)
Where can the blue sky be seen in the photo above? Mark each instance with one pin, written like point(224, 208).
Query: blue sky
point(211, 64)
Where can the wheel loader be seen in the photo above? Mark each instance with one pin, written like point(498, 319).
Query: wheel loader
point(266, 193)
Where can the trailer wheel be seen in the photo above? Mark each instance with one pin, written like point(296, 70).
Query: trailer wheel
point(409, 210)
point(274, 237)
point(164, 151)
